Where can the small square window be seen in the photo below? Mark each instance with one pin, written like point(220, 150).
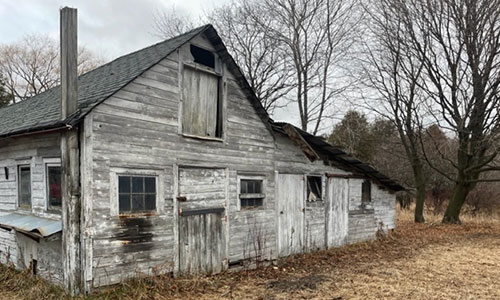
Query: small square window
point(54, 194)
point(251, 195)
point(136, 194)
point(314, 188)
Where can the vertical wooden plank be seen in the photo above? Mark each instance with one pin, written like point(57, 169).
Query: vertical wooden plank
point(291, 220)
point(226, 222)
point(212, 87)
point(177, 243)
point(338, 208)
point(70, 155)
point(87, 201)
point(219, 242)
point(181, 261)
point(180, 80)
point(69, 54)
point(209, 241)
point(200, 102)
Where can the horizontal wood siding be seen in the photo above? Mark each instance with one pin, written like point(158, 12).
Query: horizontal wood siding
point(31, 150)
point(139, 127)
point(384, 203)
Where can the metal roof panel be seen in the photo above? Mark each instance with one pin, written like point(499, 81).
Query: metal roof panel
point(29, 223)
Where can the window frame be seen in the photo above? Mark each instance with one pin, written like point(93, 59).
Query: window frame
point(263, 193)
point(131, 193)
point(18, 185)
point(321, 190)
point(369, 191)
point(218, 71)
point(159, 174)
point(51, 162)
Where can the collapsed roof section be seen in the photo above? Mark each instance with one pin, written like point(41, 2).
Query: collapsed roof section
point(316, 148)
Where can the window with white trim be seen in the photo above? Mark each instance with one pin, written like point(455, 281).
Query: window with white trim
point(136, 194)
point(24, 186)
point(251, 193)
point(53, 180)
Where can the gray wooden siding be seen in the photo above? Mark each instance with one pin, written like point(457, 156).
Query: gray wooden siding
point(363, 221)
point(34, 151)
point(385, 208)
point(139, 127)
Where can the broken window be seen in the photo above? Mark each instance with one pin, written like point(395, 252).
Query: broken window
point(251, 193)
point(366, 191)
point(314, 188)
point(201, 100)
point(54, 194)
point(136, 194)
point(203, 57)
point(24, 186)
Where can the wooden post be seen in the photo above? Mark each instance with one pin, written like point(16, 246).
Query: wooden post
point(70, 154)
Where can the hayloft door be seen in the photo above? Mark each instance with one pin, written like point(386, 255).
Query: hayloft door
point(202, 234)
point(291, 213)
point(337, 211)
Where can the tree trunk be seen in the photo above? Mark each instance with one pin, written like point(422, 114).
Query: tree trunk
point(420, 181)
point(452, 213)
point(419, 204)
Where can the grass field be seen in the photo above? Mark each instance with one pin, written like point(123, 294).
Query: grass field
point(424, 261)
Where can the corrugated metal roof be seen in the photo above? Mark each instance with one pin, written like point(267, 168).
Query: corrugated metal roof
point(31, 224)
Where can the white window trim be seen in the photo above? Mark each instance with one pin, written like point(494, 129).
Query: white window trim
point(49, 162)
point(251, 177)
point(113, 188)
point(20, 164)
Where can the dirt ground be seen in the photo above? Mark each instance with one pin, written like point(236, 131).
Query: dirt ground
point(425, 261)
point(416, 262)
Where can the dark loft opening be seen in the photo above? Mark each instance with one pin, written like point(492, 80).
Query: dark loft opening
point(203, 57)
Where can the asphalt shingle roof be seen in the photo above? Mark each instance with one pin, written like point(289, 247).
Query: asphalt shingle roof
point(43, 110)
point(336, 154)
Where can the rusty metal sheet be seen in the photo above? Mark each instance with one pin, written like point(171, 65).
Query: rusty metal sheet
point(43, 227)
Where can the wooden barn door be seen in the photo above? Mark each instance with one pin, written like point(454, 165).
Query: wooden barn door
point(337, 211)
point(290, 192)
point(202, 233)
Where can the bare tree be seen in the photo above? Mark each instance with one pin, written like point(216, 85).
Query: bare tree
point(31, 66)
point(172, 22)
point(291, 50)
point(317, 35)
point(5, 97)
point(258, 55)
point(261, 58)
point(396, 74)
point(458, 42)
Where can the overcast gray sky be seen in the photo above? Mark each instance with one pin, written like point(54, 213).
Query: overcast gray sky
point(109, 28)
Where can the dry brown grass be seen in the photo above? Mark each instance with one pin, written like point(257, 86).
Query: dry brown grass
point(416, 261)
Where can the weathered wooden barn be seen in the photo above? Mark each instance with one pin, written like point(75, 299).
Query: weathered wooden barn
point(178, 169)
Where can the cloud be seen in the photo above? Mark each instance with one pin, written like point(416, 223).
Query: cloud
point(109, 28)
